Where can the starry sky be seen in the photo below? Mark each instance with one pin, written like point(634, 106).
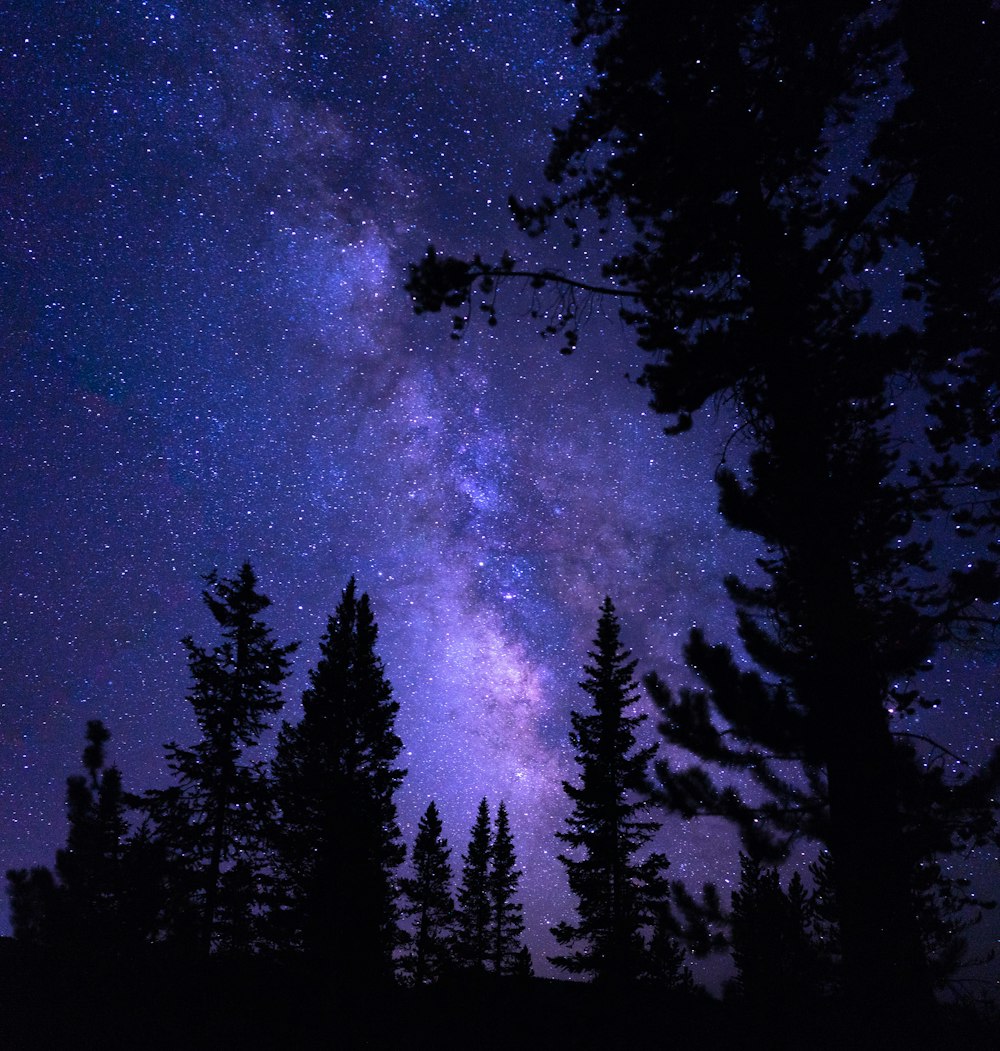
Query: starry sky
point(207, 355)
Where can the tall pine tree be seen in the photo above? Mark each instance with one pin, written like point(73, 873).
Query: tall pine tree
point(506, 923)
point(429, 904)
point(101, 900)
point(715, 132)
point(338, 844)
point(212, 822)
point(472, 937)
point(617, 894)
point(777, 965)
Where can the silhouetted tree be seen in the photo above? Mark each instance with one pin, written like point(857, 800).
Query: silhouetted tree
point(665, 960)
point(429, 903)
point(472, 938)
point(506, 923)
point(34, 905)
point(212, 822)
point(714, 134)
point(90, 866)
point(617, 894)
point(337, 841)
point(776, 961)
point(101, 899)
point(945, 904)
point(523, 968)
point(945, 818)
point(943, 143)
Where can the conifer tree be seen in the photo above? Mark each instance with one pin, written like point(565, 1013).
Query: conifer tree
point(429, 903)
point(212, 822)
point(776, 961)
point(101, 896)
point(715, 133)
point(90, 866)
point(337, 841)
point(665, 966)
point(523, 967)
point(506, 924)
point(617, 894)
point(34, 900)
point(472, 942)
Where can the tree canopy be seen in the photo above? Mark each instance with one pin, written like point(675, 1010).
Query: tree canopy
point(754, 168)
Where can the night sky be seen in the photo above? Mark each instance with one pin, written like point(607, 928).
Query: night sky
point(207, 356)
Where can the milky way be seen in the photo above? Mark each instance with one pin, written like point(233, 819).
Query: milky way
point(207, 356)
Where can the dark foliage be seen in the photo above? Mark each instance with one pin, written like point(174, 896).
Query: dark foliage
point(472, 933)
point(34, 904)
point(429, 904)
point(618, 895)
point(337, 841)
point(262, 1004)
point(506, 924)
point(211, 823)
point(777, 964)
point(946, 907)
point(714, 135)
point(89, 866)
point(490, 922)
point(666, 967)
point(103, 897)
point(89, 933)
point(523, 967)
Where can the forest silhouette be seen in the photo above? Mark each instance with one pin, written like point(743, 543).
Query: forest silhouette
point(704, 167)
point(745, 175)
point(267, 902)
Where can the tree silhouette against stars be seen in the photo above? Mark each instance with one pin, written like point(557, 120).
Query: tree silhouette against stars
point(429, 903)
point(101, 900)
point(472, 940)
point(777, 964)
point(337, 840)
point(763, 162)
point(506, 923)
point(212, 823)
point(617, 894)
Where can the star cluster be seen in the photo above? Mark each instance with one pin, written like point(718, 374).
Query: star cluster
point(208, 356)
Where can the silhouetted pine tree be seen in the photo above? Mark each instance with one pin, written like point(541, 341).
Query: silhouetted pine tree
point(89, 867)
point(716, 133)
point(617, 894)
point(429, 904)
point(506, 924)
point(523, 968)
point(213, 821)
point(337, 841)
point(102, 896)
point(34, 903)
point(665, 960)
point(776, 961)
point(472, 938)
